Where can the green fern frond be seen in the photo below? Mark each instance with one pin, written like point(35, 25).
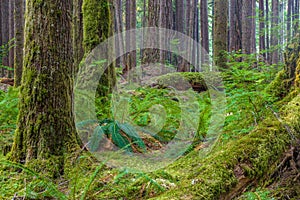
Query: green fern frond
point(117, 138)
point(95, 139)
point(130, 132)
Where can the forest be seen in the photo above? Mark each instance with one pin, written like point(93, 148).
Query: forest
point(150, 99)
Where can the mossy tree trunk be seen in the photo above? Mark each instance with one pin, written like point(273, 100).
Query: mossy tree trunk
point(220, 33)
point(11, 33)
point(46, 131)
point(77, 33)
point(97, 27)
point(19, 40)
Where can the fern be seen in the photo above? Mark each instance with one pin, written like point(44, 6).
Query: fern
point(129, 130)
point(95, 139)
point(117, 138)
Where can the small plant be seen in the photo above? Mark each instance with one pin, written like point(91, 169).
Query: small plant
point(8, 117)
point(245, 83)
point(4, 49)
point(122, 135)
point(259, 194)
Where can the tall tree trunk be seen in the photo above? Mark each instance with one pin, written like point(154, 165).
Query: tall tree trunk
point(253, 27)
point(179, 16)
point(130, 38)
point(5, 30)
point(296, 17)
point(1, 43)
point(281, 26)
point(179, 26)
point(268, 32)
point(11, 36)
point(235, 31)
point(162, 24)
point(46, 130)
point(118, 29)
point(152, 55)
point(184, 66)
point(204, 32)
point(275, 31)
point(169, 25)
point(220, 33)
point(262, 35)
point(97, 27)
point(19, 41)
point(196, 51)
point(77, 33)
point(289, 19)
point(247, 26)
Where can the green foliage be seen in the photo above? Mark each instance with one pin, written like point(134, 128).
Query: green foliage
point(8, 117)
point(122, 135)
point(245, 82)
point(4, 49)
point(8, 109)
point(39, 187)
point(259, 194)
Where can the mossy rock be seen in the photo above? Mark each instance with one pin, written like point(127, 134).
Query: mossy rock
point(180, 81)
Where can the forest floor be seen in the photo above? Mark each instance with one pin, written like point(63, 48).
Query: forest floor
point(246, 94)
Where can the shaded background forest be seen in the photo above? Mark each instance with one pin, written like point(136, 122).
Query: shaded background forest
point(261, 27)
point(249, 41)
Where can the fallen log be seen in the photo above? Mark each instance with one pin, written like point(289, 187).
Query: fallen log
point(7, 81)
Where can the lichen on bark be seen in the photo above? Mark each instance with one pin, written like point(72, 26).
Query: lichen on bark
point(46, 130)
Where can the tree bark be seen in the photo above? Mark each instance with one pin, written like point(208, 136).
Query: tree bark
point(204, 32)
point(289, 19)
point(46, 130)
point(262, 35)
point(1, 43)
point(275, 32)
point(19, 41)
point(11, 37)
point(235, 31)
point(253, 27)
point(118, 29)
point(97, 27)
point(77, 33)
point(130, 37)
point(268, 32)
point(152, 55)
point(247, 26)
point(296, 17)
point(220, 33)
point(5, 31)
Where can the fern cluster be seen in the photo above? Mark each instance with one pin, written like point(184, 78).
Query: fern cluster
point(245, 82)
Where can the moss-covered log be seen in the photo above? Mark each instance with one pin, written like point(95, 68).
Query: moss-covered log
point(45, 129)
point(230, 169)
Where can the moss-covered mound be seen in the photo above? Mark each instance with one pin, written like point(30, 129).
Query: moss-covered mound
point(181, 81)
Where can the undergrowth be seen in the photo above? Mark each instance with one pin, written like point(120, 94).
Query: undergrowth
point(247, 101)
point(8, 116)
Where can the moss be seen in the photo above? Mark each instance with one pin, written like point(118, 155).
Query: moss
point(181, 81)
point(246, 159)
point(97, 27)
point(278, 87)
point(96, 23)
point(297, 79)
